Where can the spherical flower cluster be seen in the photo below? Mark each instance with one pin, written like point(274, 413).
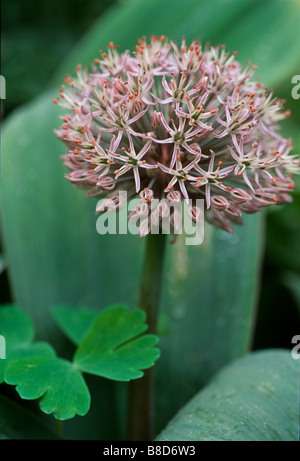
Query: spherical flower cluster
point(177, 122)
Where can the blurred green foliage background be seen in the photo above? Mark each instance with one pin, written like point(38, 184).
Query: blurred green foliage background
point(36, 37)
point(38, 43)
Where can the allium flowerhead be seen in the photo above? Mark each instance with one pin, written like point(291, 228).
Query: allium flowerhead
point(176, 122)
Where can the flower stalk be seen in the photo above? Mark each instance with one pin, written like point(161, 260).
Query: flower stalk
point(172, 122)
point(141, 391)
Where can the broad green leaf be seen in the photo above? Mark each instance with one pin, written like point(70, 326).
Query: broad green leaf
point(113, 347)
point(257, 37)
point(105, 349)
point(30, 350)
point(210, 298)
point(254, 399)
point(239, 25)
point(207, 19)
point(18, 423)
point(57, 382)
point(17, 330)
point(15, 326)
point(37, 371)
point(75, 323)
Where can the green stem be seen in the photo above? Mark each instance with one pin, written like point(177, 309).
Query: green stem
point(141, 391)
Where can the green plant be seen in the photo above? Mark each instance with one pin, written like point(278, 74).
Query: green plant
point(56, 257)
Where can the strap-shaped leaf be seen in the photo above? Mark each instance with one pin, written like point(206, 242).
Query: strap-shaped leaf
point(168, 17)
point(60, 385)
point(113, 347)
point(254, 399)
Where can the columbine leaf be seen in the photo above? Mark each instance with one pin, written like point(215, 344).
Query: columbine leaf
point(36, 370)
point(17, 329)
point(75, 323)
point(15, 326)
point(113, 348)
point(60, 385)
point(254, 399)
